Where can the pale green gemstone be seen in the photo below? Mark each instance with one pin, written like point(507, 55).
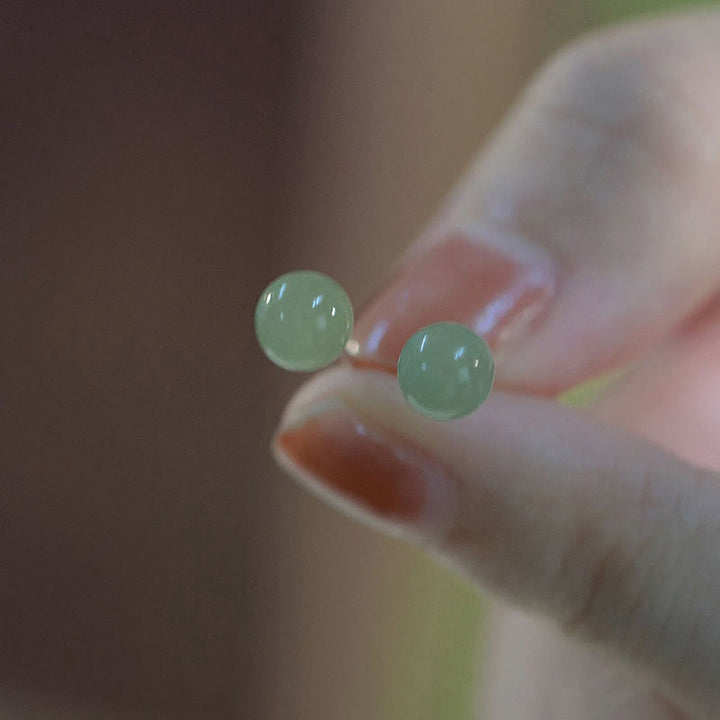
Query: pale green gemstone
point(303, 320)
point(445, 371)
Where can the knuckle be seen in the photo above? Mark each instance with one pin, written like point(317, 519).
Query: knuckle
point(606, 588)
point(650, 87)
point(628, 569)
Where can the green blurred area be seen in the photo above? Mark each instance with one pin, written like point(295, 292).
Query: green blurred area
point(612, 10)
point(441, 627)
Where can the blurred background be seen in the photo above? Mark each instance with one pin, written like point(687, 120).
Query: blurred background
point(161, 163)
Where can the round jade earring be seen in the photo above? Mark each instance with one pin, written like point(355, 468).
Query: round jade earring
point(303, 320)
point(445, 371)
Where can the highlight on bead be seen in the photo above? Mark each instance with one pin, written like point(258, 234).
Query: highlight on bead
point(303, 320)
point(445, 371)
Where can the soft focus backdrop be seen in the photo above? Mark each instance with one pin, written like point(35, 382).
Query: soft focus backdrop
point(161, 163)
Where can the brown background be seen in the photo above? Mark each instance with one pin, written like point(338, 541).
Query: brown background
point(161, 163)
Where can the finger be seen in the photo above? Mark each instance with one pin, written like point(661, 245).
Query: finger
point(608, 535)
point(672, 396)
point(588, 229)
point(536, 673)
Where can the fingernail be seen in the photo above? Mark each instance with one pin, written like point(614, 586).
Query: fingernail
point(365, 469)
point(497, 284)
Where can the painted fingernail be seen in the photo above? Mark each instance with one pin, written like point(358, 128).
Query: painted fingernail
point(361, 467)
point(498, 285)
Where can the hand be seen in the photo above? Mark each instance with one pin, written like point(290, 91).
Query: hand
point(584, 238)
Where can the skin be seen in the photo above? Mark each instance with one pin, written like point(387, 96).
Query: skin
point(609, 163)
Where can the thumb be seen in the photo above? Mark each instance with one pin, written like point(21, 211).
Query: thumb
point(612, 537)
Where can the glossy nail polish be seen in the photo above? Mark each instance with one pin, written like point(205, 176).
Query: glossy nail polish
point(366, 468)
point(499, 292)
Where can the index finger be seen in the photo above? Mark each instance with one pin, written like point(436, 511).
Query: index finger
point(587, 230)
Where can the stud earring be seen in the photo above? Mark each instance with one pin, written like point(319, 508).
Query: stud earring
point(303, 320)
point(445, 371)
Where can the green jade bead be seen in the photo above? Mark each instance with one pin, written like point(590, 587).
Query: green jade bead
point(303, 320)
point(445, 371)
